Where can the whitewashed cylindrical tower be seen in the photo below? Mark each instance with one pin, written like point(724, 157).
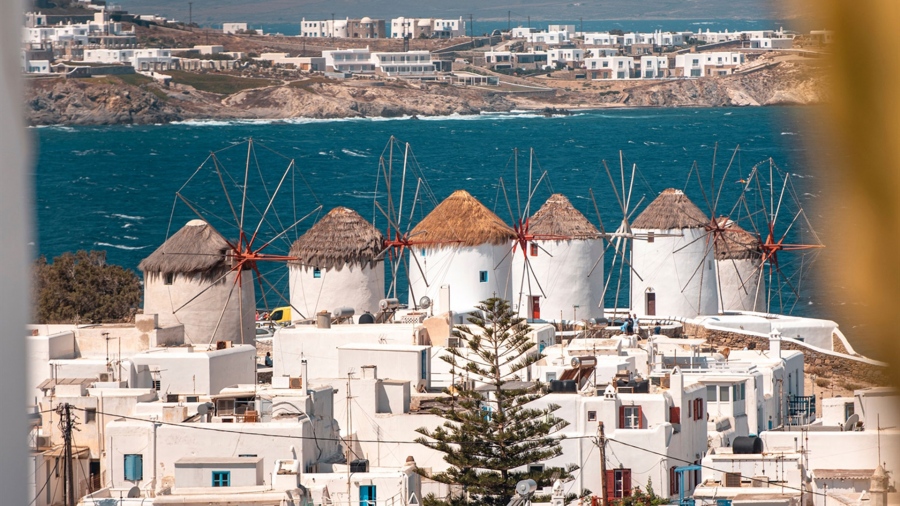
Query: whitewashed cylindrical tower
point(337, 265)
point(564, 247)
point(742, 286)
point(465, 248)
point(187, 282)
point(672, 255)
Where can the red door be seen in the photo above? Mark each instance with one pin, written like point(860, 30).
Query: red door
point(536, 307)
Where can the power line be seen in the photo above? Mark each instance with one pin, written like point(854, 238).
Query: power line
point(342, 440)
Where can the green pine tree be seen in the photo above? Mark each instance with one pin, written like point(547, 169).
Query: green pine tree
point(490, 434)
point(83, 288)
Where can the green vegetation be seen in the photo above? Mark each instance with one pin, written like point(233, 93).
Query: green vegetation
point(223, 84)
point(490, 434)
point(83, 288)
point(135, 79)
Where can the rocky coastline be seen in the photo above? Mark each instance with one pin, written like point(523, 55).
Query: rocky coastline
point(110, 100)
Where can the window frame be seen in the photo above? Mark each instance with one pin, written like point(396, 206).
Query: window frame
point(133, 467)
point(221, 479)
point(483, 276)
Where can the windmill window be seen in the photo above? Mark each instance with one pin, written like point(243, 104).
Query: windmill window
point(534, 250)
point(483, 276)
point(423, 251)
point(317, 273)
point(592, 416)
point(168, 278)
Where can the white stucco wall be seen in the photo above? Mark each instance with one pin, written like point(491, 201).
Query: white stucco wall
point(226, 300)
point(459, 267)
point(398, 362)
point(562, 270)
point(353, 286)
point(742, 285)
point(181, 371)
point(679, 269)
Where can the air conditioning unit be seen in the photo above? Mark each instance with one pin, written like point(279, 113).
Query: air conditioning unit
point(103, 377)
point(42, 441)
point(296, 383)
point(453, 342)
point(732, 479)
point(625, 390)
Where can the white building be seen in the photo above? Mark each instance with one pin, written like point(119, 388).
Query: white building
point(707, 64)
point(560, 280)
point(335, 28)
point(602, 39)
point(673, 265)
point(770, 43)
point(338, 265)
point(140, 59)
point(654, 67)
point(648, 435)
point(409, 63)
point(565, 55)
point(610, 67)
point(546, 37)
point(353, 61)
point(417, 28)
point(232, 28)
point(188, 281)
point(464, 251)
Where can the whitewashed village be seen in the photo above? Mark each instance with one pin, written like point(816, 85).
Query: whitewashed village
point(686, 387)
point(106, 43)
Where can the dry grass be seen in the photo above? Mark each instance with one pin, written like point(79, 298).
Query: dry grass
point(672, 210)
point(195, 249)
point(342, 237)
point(557, 219)
point(222, 84)
point(462, 220)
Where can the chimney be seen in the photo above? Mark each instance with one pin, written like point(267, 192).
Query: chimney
point(775, 342)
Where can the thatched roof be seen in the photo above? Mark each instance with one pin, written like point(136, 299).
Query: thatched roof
point(672, 210)
point(462, 220)
point(195, 249)
point(735, 243)
point(342, 237)
point(558, 218)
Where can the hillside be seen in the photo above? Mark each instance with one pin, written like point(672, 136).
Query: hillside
point(259, 11)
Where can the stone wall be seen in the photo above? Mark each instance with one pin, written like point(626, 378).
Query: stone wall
point(822, 364)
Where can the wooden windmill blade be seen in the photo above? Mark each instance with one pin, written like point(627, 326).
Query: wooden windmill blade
point(247, 215)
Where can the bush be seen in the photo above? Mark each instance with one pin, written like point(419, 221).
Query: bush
point(83, 288)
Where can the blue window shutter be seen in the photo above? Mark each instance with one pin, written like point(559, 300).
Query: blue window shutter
point(134, 467)
point(424, 363)
point(367, 495)
point(221, 478)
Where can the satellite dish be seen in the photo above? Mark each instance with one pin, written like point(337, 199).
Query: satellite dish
point(134, 493)
point(526, 487)
point(851, 422)
point(425, 302)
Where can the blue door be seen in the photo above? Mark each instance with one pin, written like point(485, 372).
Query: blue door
point(367, 495)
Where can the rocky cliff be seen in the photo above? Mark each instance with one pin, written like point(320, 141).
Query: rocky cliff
point(116, 100)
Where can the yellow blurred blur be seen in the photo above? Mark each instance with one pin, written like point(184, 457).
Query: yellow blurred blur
point(864, 111)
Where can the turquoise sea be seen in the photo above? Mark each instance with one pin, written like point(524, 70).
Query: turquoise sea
point(114, 187)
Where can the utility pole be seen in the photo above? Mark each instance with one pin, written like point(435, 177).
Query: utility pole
point(349, 437)
point(603, 485)
point(65, 426)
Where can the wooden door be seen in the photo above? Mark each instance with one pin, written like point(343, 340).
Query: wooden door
point(651, 304)
point(536, 307)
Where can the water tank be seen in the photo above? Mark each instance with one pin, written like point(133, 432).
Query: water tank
point(746, 445)
point(366, 318)
point(526, 487)
point(578, 362)
point(342, 312)
point(386, 304)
